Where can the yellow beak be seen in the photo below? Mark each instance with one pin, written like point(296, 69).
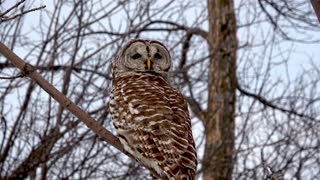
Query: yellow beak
point(148, 63)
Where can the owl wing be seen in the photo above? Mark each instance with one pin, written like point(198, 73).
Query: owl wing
point(155, 126)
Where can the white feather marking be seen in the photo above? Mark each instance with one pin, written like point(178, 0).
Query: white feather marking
point(168, 151)
point(116, 97)
point(112, 101)
point(111, 109)
point(140, 118)
point(130, 90)
point(145, 137)
point(151, 123)
point(135, 100)
point(128, 117)
point(165, 142)
point(124, 114)
point(139, 157)
point(132, 110)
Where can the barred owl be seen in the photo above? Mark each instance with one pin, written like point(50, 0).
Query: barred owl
point(150, 117)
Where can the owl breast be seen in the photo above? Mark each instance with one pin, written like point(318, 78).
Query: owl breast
point(153, 124)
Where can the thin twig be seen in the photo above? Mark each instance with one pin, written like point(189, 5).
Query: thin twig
point(10, 9)
point(13, 77)
point(3, 19)
point(269, 173)
point(267, 103)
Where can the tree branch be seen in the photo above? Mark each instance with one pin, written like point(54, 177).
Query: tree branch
point(265, 102)
point(269, 173)
point(29, 70)
point(95, 126)
point(4, 18)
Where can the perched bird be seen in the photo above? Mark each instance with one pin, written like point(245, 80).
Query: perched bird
point(150, 117)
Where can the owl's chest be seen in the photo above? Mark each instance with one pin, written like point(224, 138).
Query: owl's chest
point(143, 100)
point(139, 93)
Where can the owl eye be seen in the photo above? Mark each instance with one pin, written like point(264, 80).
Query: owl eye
point(136, 56)
point(157, 56)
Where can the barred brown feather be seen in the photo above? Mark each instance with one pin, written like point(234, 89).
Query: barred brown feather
point(153, 123)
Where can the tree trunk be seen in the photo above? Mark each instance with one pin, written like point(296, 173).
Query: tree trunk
point(219, 120)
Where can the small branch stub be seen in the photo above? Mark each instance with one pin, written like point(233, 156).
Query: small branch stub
point(28, 69)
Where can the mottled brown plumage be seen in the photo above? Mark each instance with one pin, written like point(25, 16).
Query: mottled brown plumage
point(150, 116)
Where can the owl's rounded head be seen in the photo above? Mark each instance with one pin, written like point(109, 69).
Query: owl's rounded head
point(144, 56)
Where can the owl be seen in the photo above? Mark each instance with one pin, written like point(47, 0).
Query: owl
point(150, 117)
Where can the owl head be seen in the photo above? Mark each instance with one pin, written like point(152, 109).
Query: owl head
point(143, 56)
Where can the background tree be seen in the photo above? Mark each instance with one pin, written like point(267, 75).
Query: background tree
point(251, 95)
point(219, 116)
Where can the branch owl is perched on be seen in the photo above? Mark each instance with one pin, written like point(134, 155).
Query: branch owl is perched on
point(150, 116)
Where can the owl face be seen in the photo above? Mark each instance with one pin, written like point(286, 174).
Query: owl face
point(143, 56)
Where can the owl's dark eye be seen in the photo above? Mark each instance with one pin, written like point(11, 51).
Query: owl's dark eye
point(157, 56)
point(136, 56)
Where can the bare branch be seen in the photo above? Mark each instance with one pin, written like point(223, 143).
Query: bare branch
point(265, 102)
point(13, 77)
point(10, 9)
point(270, 174)
point(3, 19)
point(29, 70)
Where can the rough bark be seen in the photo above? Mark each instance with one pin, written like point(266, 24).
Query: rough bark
point(219, 120)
